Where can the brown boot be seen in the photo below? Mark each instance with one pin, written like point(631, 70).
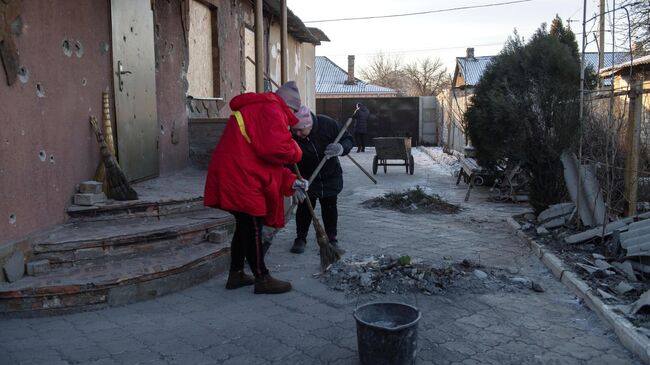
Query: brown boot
point(237, 279)
point(268, 285)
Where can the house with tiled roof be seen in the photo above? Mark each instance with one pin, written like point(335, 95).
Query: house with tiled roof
point(334, 82)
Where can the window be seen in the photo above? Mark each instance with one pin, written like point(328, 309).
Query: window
point(203, 70)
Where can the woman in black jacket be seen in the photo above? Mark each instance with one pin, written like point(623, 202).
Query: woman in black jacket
point(315, 135)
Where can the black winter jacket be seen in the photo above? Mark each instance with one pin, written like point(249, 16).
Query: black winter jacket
point(329, 181)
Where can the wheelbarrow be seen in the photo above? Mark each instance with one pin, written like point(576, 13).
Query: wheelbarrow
point(393, 148)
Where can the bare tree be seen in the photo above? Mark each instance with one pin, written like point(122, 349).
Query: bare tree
point(384, 70)
point(639, 27)
point(426, 77)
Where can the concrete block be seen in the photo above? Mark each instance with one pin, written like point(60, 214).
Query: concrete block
point(89, 199)
point(89, 253)
point(14, 267)
point(90, 187)
point(217, 236)
point(35, 268)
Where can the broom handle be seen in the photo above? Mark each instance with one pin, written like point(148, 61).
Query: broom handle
point(317, 226)
point(336, 140)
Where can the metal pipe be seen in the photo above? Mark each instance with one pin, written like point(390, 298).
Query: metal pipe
point(362, 169)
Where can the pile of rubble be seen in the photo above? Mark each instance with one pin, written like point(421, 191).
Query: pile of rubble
point(613, 258)
point(413, 201)
point(387, 274)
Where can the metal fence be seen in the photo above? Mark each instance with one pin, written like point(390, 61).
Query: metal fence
point(389, 117)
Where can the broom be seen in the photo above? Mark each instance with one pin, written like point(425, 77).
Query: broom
point(118, 186)
point(100, 173)
point(328, 254)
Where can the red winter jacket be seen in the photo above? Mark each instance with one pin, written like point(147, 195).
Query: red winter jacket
point(252, 177)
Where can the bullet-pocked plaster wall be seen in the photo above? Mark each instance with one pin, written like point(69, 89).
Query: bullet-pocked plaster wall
point(171, 85)
point(46, 143)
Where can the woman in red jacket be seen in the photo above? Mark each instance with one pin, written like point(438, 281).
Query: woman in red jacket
point(248, 178)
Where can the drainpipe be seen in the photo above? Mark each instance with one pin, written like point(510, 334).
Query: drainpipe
point(284, 44)
point(259, 46)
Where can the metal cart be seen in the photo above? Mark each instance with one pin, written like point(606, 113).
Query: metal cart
point(393, 148)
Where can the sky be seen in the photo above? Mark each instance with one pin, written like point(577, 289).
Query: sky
point(444, 35)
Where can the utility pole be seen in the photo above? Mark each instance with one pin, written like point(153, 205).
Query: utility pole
point(601, 41)
point(284, 44)
point(632, 141)
point(582, 101)
point(259, 46)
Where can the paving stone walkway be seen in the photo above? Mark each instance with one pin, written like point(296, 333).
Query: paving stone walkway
point(312, 324)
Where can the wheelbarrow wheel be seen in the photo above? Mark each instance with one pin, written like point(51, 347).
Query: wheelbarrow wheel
point(411, 166)
point(385, 166)
point(374, 165)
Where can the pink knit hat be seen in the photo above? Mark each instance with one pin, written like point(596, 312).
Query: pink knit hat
point(304, 118)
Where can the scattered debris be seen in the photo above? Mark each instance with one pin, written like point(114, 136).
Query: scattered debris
point(592, 206)
point(536, 287)
point(413, 201)
point(556, 211)
point(605, 295)
point(400, 275)
point(642, 302)
point(623, 288)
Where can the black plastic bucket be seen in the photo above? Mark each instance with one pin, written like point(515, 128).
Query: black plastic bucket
point(387, 333)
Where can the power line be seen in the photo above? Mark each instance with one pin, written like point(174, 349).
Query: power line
point(421, 50)
point(420, 13)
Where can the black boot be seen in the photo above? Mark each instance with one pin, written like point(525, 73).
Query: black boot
point(298, 245)
point(335, 244)
point(268, 285)
point(238, 278)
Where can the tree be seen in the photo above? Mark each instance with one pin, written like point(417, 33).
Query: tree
point(426, 77)
point(639, 26)
point(386, 71)
point(525, 109)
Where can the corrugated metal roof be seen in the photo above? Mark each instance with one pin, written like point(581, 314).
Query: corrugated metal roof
point(471, 69)
point(625, 63)
point(330, 79)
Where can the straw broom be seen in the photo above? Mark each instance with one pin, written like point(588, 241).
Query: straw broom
point(328, 254)
point(118, 185)
point(100, 173)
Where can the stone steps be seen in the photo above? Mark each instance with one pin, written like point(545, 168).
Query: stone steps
point(121, 252)
point(82, 241)
point(134, 208)
point(93, 285)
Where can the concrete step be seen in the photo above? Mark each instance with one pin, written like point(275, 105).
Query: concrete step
point(135, 208)
point(94, 285)
point(78, 242)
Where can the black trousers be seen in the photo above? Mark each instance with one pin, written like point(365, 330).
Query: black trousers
point(329, 213)
point(247, 244)
point(360, 139)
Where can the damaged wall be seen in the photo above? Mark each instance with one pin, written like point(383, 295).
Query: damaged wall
point(171, 85)
point(66, 64)
point(301, 65)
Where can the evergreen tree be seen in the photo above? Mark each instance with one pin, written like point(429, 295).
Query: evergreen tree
point(525, 109)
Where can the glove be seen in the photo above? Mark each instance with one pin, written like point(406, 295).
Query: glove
point(333, 149)
point(300, 186)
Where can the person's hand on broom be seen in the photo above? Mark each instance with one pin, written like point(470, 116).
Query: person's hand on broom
point(300, 186)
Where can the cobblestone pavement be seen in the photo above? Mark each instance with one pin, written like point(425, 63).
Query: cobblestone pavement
point(314, 325)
